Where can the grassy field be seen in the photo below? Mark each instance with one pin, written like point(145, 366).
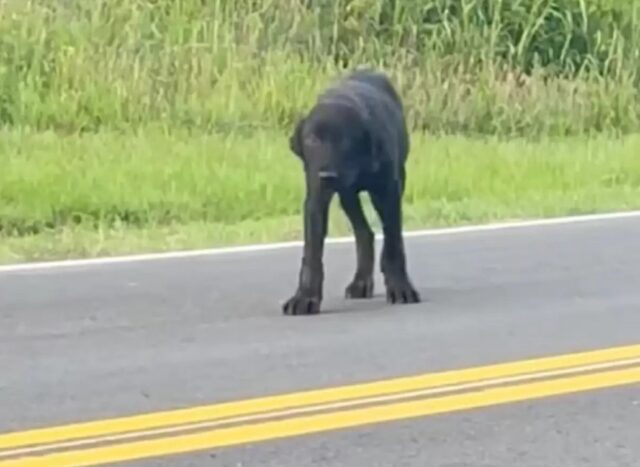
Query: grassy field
point(110, 193)
point(136, 125)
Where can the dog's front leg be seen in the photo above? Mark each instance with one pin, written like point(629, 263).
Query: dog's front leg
point(388, 204)
point(308, 296)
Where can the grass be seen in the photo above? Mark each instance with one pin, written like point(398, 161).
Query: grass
point(97, 194)
point(138, 125)
point(522, 67)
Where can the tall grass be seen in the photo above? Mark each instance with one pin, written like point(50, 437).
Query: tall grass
point(518, 67)
point(122, 119)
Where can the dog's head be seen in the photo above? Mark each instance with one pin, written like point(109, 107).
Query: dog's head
point(336, 141)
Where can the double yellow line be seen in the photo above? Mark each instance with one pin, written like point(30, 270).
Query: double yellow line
point(215, 426)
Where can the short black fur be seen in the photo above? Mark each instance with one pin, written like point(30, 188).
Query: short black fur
point(354, 139)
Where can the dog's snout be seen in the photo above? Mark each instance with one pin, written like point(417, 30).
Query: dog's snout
point(327, 174)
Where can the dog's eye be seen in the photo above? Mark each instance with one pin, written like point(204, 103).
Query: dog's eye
point(311, 140)
point(340, 140)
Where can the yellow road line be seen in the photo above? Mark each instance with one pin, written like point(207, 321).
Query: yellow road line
point(352, 403)
point(206, 413)
point(332, 421)
point(176, 429)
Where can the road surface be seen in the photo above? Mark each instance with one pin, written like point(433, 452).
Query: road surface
point(97, 341)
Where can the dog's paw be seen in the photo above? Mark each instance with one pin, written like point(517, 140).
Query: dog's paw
point(402, 292)
point(301, 304)
point(360, 288)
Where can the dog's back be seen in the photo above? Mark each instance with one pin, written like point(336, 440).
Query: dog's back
point(377, 80)
point(373, 95)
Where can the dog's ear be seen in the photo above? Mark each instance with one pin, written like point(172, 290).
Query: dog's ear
point(295, 140)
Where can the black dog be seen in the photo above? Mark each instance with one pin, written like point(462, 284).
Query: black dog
point(354, 139)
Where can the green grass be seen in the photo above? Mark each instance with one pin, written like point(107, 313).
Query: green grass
point(139, 125)
point(96, 194)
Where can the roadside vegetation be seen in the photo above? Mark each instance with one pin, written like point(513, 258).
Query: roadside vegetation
point(138, 125)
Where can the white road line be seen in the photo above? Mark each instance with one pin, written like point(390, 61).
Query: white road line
point(333, 240)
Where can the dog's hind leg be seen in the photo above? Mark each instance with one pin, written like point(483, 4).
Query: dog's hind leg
point(362, 284)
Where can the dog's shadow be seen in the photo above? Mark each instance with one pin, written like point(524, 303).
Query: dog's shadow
point(432, 299)
point(376, 304)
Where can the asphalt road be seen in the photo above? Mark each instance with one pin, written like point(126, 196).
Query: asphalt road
point(95, 341)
